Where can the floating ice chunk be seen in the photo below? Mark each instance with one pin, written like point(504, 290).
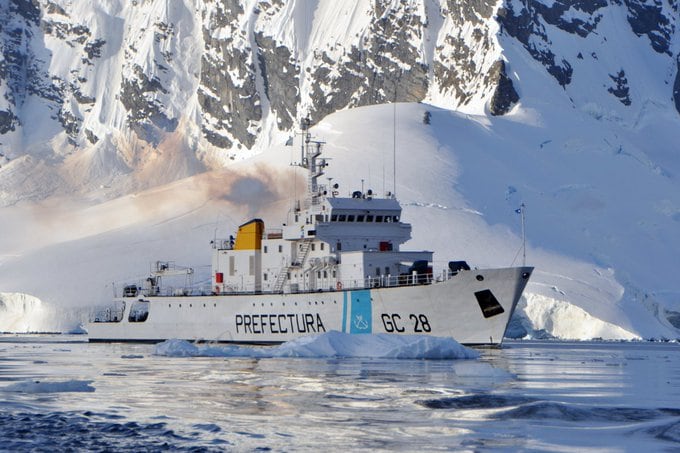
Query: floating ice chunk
point(50, 387)
point(334, 344)
point(176, 348)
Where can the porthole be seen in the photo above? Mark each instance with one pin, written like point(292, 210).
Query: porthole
point(480, 278)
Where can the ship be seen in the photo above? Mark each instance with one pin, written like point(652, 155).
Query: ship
point(336, 264)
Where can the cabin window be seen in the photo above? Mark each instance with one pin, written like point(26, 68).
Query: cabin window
point(322, 246)
point(338, 246)
point(377, 271)
point(280, 248)
point(350, 218)
point(232, 266)
point(325, 274)
point(313, 247)
point(139, 311)
point(360, 218)
point(318, 274)
point(334, 218)
point(319, 217)
point(378, 218)
point(264, 276)
point(387, 270)
point(369, 218)
point(333, 274)
point(265, 249)
point(342, 218)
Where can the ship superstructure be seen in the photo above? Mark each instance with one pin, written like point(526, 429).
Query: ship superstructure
point(327, 243)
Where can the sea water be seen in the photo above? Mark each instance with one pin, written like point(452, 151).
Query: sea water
point(61, 393)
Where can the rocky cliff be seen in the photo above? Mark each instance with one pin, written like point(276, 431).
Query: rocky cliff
point(122, 81)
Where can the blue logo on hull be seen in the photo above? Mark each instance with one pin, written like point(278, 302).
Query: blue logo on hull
point(361, 313)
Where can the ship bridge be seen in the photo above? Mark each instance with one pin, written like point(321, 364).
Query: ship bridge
point(350, 224)
point(362, 223)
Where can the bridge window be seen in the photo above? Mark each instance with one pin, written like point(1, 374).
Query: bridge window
point(379, 218)
point(350, 218)
point(360, 218)
point(334, 218)
point(369, 218)
point(342, 218)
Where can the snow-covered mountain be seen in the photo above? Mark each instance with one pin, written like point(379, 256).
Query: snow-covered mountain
point(572, 107)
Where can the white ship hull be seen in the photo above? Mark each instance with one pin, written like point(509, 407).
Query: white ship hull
point(473, 307)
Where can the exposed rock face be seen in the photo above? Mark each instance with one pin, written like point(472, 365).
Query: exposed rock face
point(145, 111)
point(467, 50)
point(650, 19)
point(280, 77)
point(230, 74)
point(621, 89)
point(228, 92)
point(504, 96)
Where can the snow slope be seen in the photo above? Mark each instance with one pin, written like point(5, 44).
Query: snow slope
point(602, 236)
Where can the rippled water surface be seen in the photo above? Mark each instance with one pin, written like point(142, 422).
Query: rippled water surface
point(59, 392)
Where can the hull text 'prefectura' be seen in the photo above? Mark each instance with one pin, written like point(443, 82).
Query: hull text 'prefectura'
point(336, 264)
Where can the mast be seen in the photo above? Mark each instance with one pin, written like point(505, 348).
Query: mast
point(310, 150)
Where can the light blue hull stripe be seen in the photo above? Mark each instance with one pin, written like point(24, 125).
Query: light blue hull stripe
point(361, 320)
point(344, 311)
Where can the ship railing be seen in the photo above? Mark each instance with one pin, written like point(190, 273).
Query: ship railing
point(380, 281)
point(328, 284)
point(223, 244)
